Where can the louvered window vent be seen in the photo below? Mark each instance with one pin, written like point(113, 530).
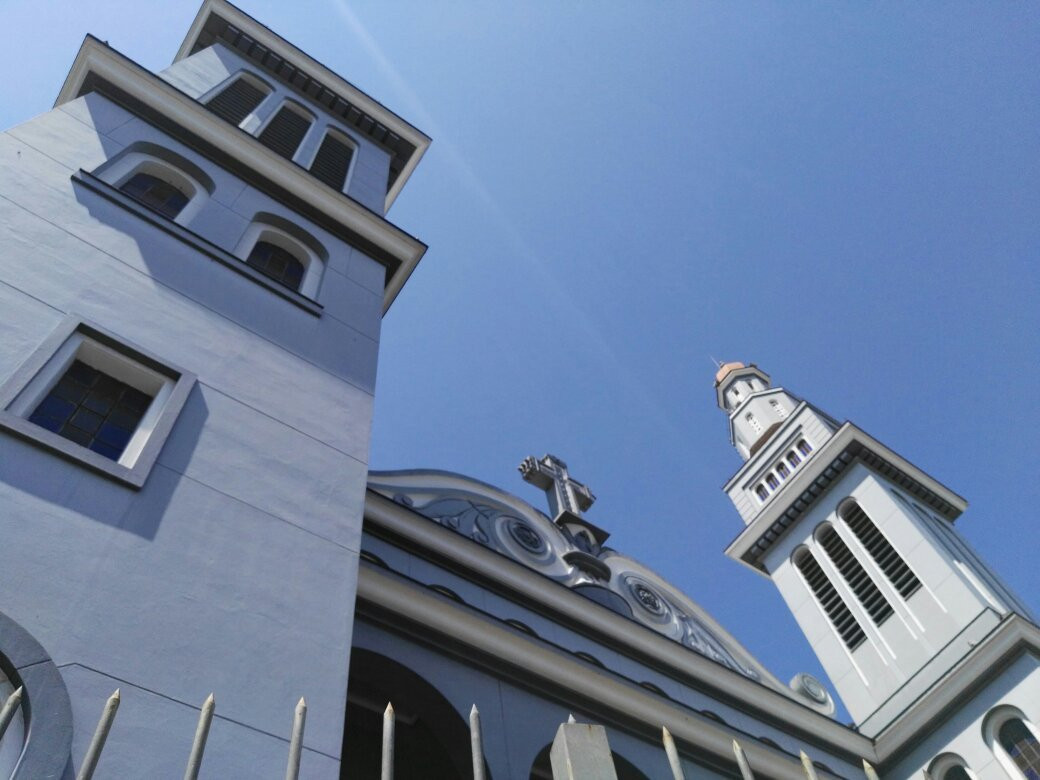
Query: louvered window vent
point(872, 599)
point(284, 133)
point(837, 610)
point(332, 161)
point(880, 549)
point(236, 101)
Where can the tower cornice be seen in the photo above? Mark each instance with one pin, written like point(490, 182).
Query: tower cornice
point(846, 446)
point(100, 68)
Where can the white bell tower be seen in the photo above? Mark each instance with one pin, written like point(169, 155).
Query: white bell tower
point(861, 544)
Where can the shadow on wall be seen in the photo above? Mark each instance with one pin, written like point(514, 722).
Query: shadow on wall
point(69, 488)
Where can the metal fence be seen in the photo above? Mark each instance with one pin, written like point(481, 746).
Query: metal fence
point(580, 751)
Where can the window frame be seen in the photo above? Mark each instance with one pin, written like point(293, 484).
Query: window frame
point(944, 762)
point(78, 339)
point(991, 725)
point(126, 166)
point(340, 135)
point(313, 263)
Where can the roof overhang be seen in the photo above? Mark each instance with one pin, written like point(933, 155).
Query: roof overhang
point(847, 445)
point(99, 68)
point(219, 20)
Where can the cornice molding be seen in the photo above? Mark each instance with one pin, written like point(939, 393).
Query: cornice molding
point(812, 480)
point(101, 67)
point(561, 604)
point(646, 711)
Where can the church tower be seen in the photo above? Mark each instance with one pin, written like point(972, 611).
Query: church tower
point(862, 546)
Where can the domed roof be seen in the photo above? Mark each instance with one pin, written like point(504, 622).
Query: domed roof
point(724, 369)
point(509, 525)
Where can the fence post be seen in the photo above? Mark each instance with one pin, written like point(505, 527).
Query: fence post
point(10, 707)
point(673, 754)
point(387, 771)
point(476, 743)
point(97, 743)
point(742, 762)
point(580, 751)
point(292, 769)
point(198, 746)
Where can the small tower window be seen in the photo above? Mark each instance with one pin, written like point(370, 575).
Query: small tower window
point(277, 263)
point(332, 161)
point(793, 459)
point(772, 481)
point(285, 131)
point(156, 194)
point(829, 599)
point(880, 549)
point(872, 599)
point(782, 470)
point(781, 412)
point(761, 492)
point(756, 426)
point(804, 447)
point(1016, 738)
point(237, 100)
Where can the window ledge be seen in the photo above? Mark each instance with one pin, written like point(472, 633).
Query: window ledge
point(194, 240)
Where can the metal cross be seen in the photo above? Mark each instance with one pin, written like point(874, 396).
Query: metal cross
point(550, 474)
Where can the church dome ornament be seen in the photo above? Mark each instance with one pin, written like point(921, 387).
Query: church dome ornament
point(812, 689)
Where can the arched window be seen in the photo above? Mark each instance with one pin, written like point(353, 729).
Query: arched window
point(761, 492)
point(756, 426)
point(1021, 746)
point(238, 99)
point(781, 412)
point(949, 766)
point(880, 549)
point(772, 481)
point(872, 599)
point(280, 254)
point(793, 459)
point(284, 132)
point(1013, 740)
point(276, 262)
point(829, 599)
point(332, 160)
point(804, 447)
point(155, 193)
point(160, 179)
point(782, 470)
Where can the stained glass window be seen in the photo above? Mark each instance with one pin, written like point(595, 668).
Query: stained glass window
point(91, 408)
point(1016, 738)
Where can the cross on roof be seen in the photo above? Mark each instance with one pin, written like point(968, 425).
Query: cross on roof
point(550, 474)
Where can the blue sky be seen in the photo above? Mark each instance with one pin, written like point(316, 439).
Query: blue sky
point(845, 194)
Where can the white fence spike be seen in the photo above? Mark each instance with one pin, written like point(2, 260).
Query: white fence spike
point(97, 743)
point(476, 743)
point(672, 753)
point(9, 709)
point(807, 765)
point(387, 770)
point(869, 771)
point(292, 769)
point(742, 762)
point(198, 745)
point(570, 718)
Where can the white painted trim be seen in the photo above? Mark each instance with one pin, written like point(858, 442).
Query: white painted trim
point(944, 762)
point(991, 725)
point(260, 83)
point(315, 69)
point(108, 64)
point(600, 686)
point(778, 701)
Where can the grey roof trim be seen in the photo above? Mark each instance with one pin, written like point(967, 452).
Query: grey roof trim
point(99, 68)
point(219, 20)
point(408, 528)
point(814, 479)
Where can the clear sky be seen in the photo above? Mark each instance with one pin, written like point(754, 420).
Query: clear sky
point(844, 193)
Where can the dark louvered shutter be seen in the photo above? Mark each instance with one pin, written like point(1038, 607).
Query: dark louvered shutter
point(236, 102)
point(331, 162)
point(284, 133)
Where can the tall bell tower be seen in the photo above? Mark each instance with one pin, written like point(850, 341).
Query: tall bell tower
point(862, 546)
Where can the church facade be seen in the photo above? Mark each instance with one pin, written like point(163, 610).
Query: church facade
point(195, 265)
